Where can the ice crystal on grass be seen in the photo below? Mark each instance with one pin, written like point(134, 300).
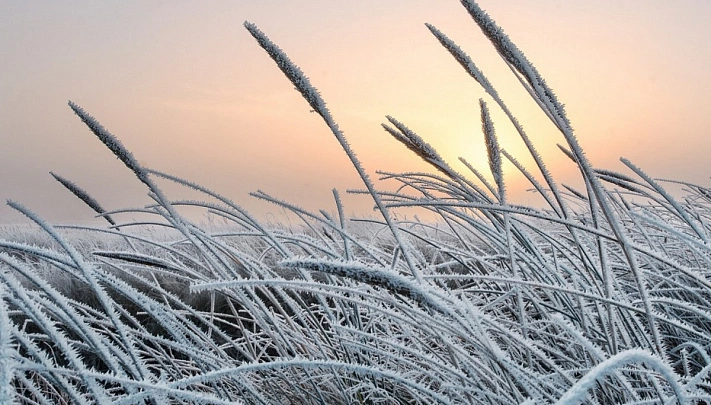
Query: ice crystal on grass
point(8, 357)
point(111, 142)
point(84, 196)
point(290, 70)
point(492, 149)
point(371, 275)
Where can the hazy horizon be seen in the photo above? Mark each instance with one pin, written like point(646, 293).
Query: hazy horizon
point(189, 92)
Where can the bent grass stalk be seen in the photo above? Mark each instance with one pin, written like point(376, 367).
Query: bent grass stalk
point(84, 196)
point(312, 96)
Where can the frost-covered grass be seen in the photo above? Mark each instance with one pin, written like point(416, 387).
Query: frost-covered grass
point(600, 297)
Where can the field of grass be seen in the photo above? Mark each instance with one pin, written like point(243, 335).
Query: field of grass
point(602, 296)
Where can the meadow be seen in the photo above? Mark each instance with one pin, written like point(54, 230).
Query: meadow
point(600, 296)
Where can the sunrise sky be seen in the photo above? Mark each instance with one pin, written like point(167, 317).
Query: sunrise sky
point(188, 91)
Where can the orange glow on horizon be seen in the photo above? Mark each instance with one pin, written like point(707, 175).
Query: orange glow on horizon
point(185, 88)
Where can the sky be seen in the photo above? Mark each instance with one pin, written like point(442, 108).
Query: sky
point(186, 88)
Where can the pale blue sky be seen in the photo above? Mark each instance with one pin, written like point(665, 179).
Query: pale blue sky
point(186, 88)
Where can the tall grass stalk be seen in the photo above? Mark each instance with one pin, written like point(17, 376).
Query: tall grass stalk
point(312, 96)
